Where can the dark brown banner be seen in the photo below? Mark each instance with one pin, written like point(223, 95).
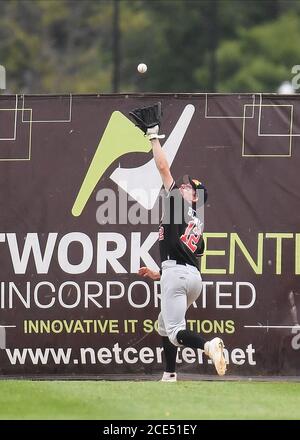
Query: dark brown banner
point(79, 210)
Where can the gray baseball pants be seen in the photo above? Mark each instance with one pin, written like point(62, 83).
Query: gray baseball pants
point(181, 285)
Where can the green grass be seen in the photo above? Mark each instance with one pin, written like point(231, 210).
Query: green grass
point(103, 400)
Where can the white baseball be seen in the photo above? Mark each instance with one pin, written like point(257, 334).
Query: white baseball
point(142, 68)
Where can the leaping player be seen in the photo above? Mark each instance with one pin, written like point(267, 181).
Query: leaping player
point(181, 245)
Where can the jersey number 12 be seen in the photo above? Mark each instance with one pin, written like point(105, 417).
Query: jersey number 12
point(190, 239)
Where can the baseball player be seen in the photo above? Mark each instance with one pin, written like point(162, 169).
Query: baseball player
point(181, 244)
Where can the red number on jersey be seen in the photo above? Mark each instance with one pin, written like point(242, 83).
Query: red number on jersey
point(161, 233)
point(190, 239)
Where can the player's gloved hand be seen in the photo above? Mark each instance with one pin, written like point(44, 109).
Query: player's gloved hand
point(152, 133)
point(148, 120)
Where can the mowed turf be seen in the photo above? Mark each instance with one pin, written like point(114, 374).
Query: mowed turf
point(103, 400)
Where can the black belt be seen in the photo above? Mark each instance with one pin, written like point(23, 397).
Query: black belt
point(182, 263)
point(187, 264)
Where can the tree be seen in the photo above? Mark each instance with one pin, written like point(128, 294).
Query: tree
point(262, 57)
point(63, 46)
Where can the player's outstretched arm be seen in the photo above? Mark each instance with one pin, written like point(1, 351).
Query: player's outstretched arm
point(149, 273)
point(148, 120)
point(161, 163)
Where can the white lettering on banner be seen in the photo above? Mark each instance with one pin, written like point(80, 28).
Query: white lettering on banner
point(70, 285)
point(204, 292)
point(124, 253)
point(146, 355)
point(238, 304)
point(156, 293)
point(238, 356)
point(87, 255)
point(295, 343)
point(104, 255)
point(89, 294)
point(188, 355)
point(110, 247)
point(120, 355)
point(132, 359)
point(139, 294)
point(117, 350)
point(36, 295)
point(250, 352)
point(12, 289)
point(32, 243)
point(104, 356)
point(111, 295)
point(221, 303)
point(141, 251)
point(221, 294)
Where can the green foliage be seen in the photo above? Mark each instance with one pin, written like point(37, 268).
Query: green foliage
point(62, 46)
point(261, 58)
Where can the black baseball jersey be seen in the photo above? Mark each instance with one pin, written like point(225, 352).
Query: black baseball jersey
point(180, 230)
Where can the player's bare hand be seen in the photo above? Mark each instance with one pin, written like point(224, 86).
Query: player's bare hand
point(149, 273)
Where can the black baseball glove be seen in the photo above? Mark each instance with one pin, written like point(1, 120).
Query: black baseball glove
point(148, 119)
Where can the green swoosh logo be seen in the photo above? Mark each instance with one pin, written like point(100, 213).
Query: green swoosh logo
point(121, 136)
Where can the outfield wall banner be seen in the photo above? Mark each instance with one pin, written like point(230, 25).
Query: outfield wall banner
point(79, 212)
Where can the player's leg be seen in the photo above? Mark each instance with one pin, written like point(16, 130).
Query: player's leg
point(173, 301)
point(170, 353)
point(177, 285)
point(194, 286)
point(214, 348)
